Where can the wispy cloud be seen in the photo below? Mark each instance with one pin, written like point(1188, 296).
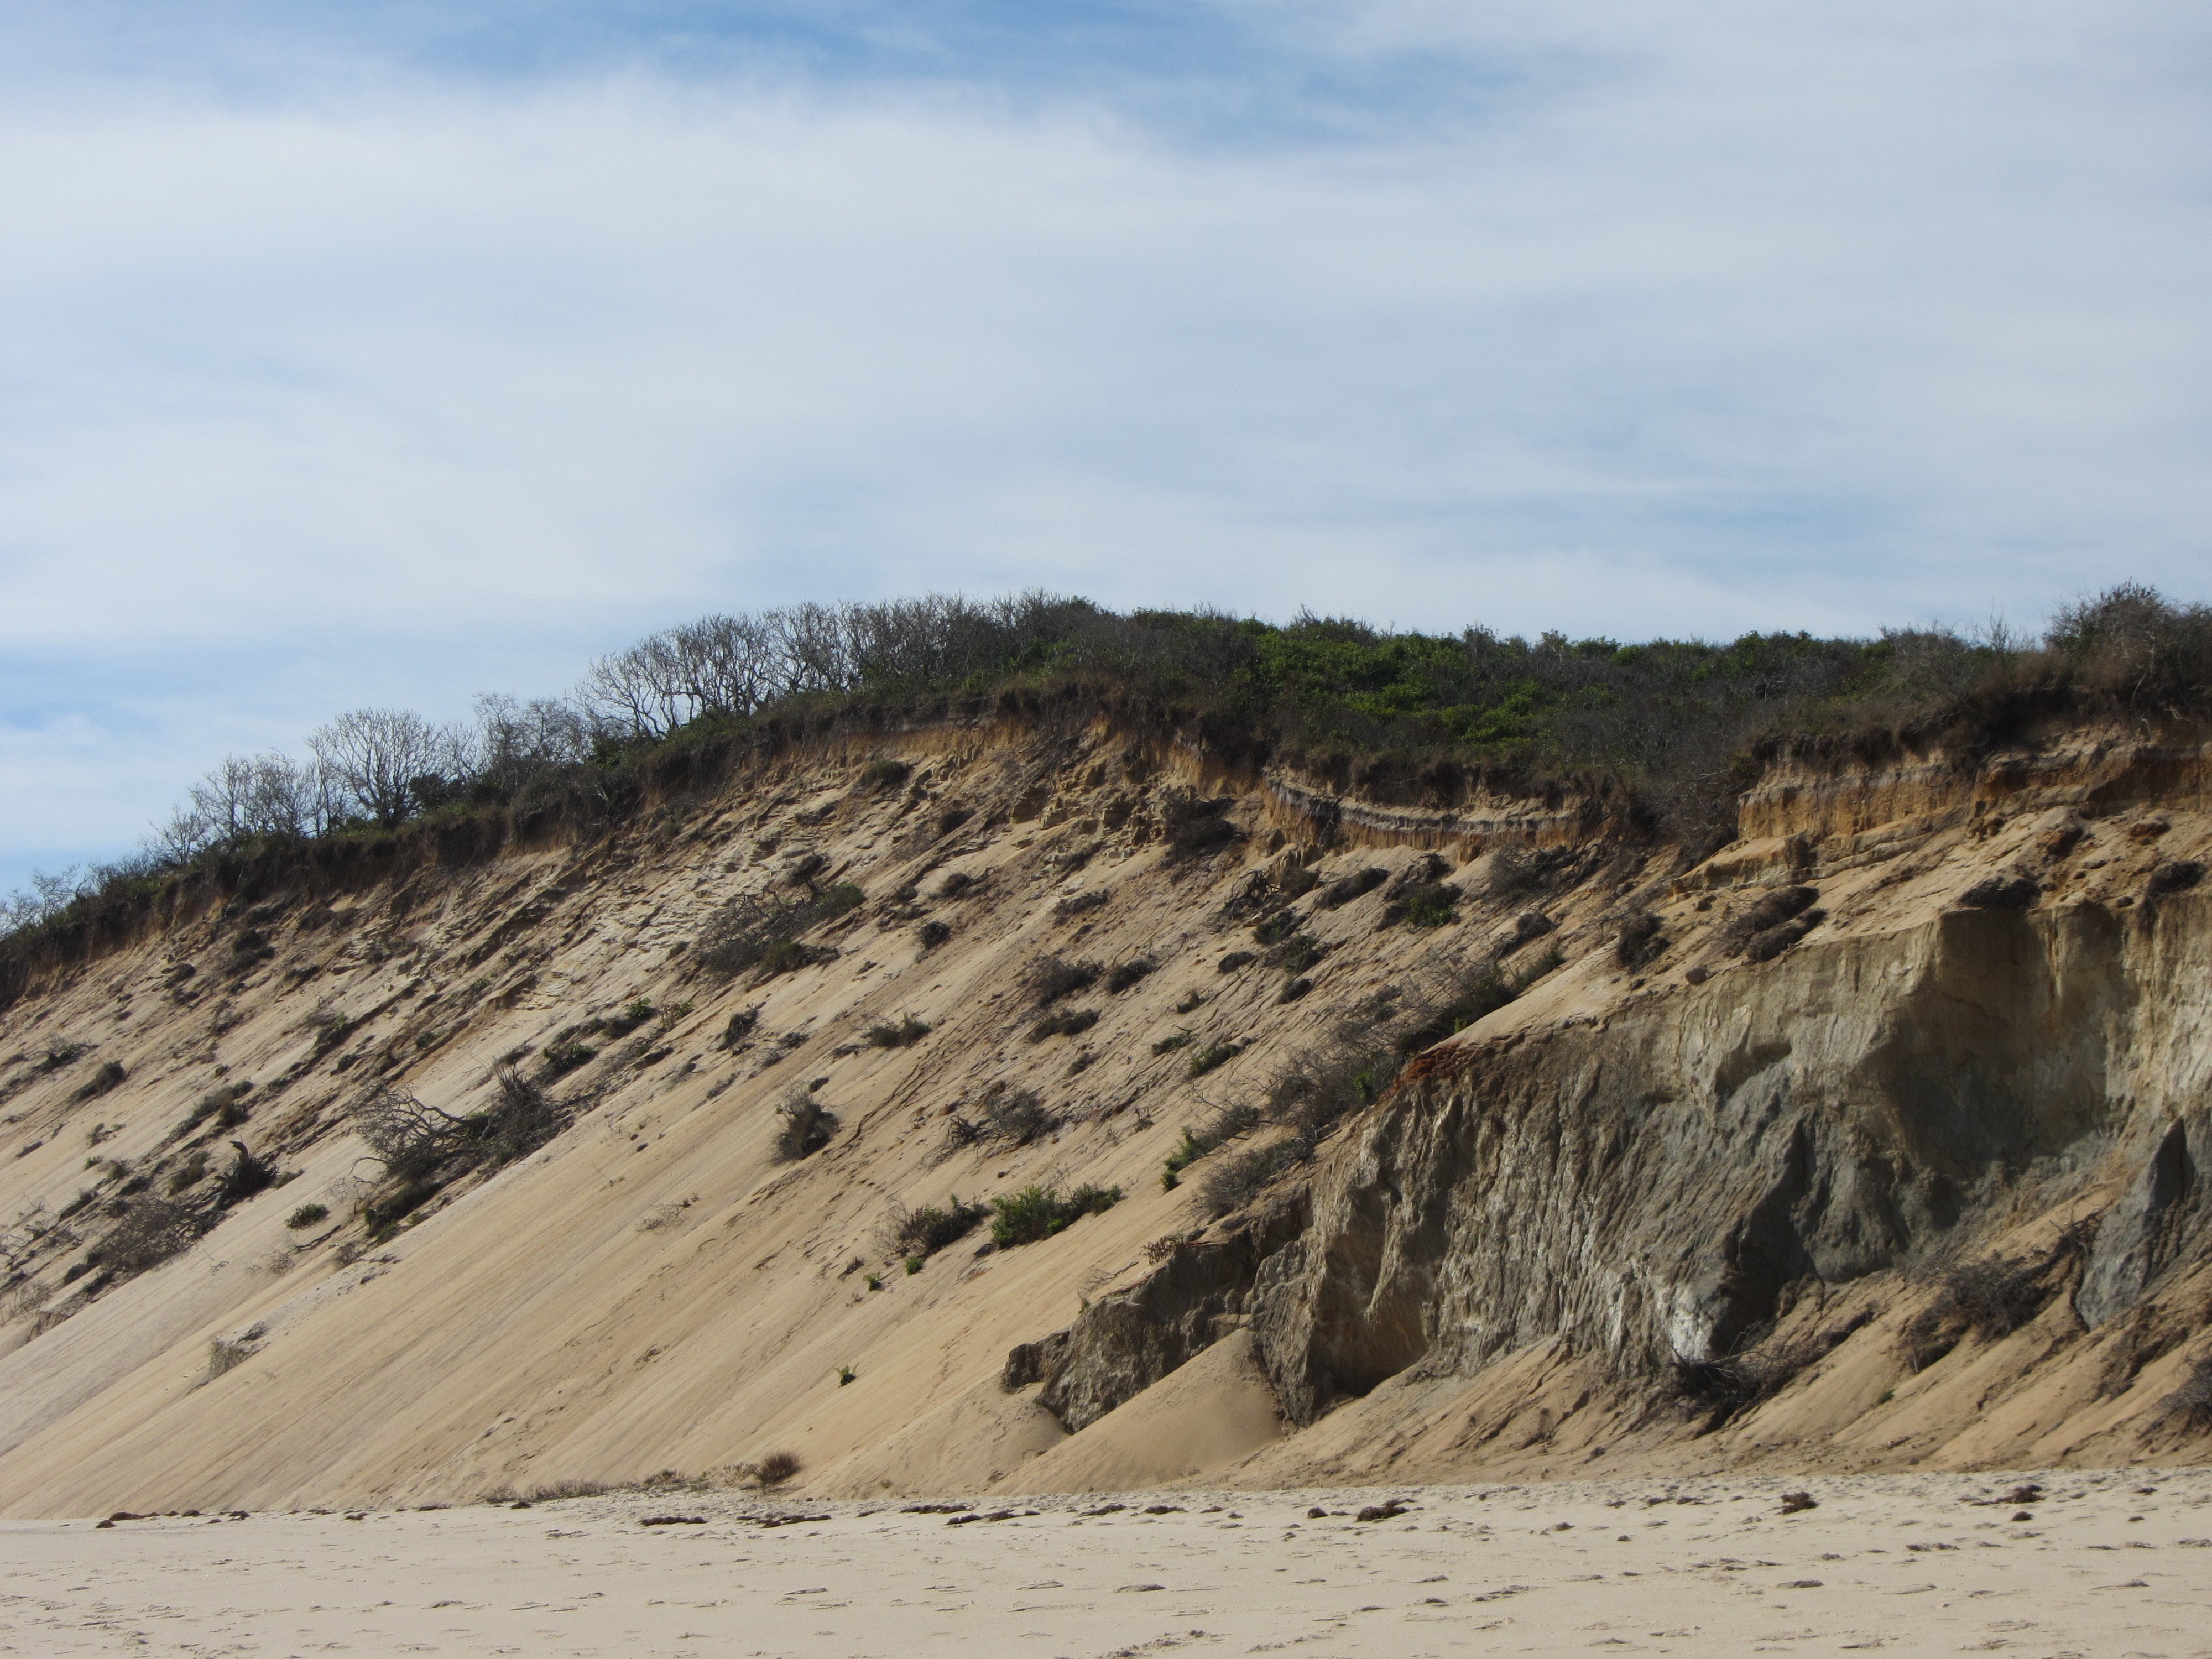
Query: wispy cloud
point(391, 353)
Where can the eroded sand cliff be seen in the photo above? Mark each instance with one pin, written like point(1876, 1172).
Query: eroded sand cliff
point(1699, 1197)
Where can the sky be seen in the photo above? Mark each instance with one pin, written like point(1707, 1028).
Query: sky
point(385, 355)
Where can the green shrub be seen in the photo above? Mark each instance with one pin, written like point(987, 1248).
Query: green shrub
point(306, 1216)
point(1168, 1045)
point(1425, 904)
point(1273, 930)
point(1038, 1212)
point(885, 774)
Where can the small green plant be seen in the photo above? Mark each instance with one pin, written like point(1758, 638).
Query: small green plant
point(1274, 929)
point(633, 1016)
point(1182, 1039)
point(1430, 904)
point(1225, 1126)
point(563, 1056)
point(874, 1281)
point(913, 1265)
point(1213, 1055)
point(845, 1375)
point(307, 1215)
point(932, 934)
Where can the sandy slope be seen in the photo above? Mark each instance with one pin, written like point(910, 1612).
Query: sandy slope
point(652, 1290)
point(2115, 1563)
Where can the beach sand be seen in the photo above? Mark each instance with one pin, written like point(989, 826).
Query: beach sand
point(2106, 1564)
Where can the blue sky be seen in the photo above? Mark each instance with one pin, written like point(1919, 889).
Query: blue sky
point(393, 354)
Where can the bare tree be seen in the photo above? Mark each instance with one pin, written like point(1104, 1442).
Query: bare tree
point(518, 743)
point(386, 762)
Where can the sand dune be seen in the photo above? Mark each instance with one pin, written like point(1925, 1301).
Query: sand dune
point(2110, 1562)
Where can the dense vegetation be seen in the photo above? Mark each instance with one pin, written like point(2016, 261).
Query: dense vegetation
point(1671, 729)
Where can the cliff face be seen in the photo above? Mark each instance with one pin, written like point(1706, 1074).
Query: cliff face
point(1875, 1138)
point(1649, 1186)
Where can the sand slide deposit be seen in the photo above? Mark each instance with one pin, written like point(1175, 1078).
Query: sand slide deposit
point(2108, 1564)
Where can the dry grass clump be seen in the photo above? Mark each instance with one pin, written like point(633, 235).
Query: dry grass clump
point(1195, 825)
point(806, 1128)
point(1050, 979)
point(2192, 1401)
point(1990, 1298)
point(1063, 1022)
point(1639, 940)
point(1345, 889)
point(774, 1469)
point(1773, 924)
point(916, 1234)
point(904, 1035)
point(1225, 1126)
point(1007, 1117)
point(1015, 1117)
point(762, 930)
point(224, 1356)
point(110, 1076)
point(555, 1491)
point(1122, 975)
point(1737, 1382)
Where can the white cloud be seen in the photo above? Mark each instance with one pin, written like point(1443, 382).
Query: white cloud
point(1656, 319)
